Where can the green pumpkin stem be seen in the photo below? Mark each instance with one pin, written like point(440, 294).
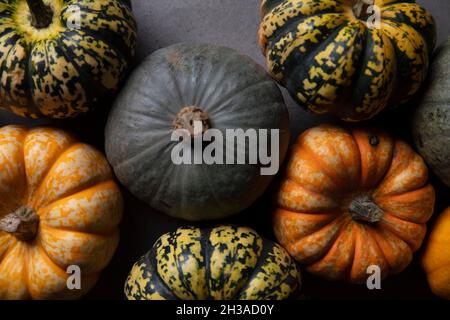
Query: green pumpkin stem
point(364, 208)
point(22, 223)
point(41, 14)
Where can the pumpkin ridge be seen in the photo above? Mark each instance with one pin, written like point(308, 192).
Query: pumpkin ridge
point(12, 243)
point(105, 234)
point(132, 158)
point(412, 87)
point(118, 46)
point(323, 167)
point(260, 262)
point(95, 85)
point(387, 225)
point(221, 105)
point(207, 179)
point(70, 192)
point(52, 264)
point(266, 249)
point(280, 32)
point(346, 273)
point(300, 71)
point(44, 175)
point(150, 262)
point(4, 60)
point(393, 197)
point(29, 82)
point(181, 275)
point(206, 253)
point(358, 139)
point(333, 217)
point(100, 13)
point(370, 231)
point(309, 188)
point(421, 29)
point(401, 165)
point(356, 52)
point(341, 222)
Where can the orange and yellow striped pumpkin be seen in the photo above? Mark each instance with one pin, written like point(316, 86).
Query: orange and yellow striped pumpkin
point(350, 199)
point(59, 207)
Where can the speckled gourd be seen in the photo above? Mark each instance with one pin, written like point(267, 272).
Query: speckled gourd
point(333, 57)
point(61, 58)
point(222, 263)
point(431, 122)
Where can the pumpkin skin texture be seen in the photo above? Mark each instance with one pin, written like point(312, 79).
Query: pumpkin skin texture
point(67, 188)
point(232, 90)
point(332, 62)
point(352, 198)
point(436, 256)
point(222, 263)
point(62, 71)
point(431, 122)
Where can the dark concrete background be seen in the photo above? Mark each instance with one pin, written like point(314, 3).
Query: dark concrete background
point(232, 23)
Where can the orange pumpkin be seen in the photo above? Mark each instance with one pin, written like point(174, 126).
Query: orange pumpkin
point(59, 207)
point(436, 257)
point(350, 199)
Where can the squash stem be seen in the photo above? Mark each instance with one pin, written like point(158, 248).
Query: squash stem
point(41, 14)
point(364, 208)
point(22, 223)
point(187, 117)
point(360, 9)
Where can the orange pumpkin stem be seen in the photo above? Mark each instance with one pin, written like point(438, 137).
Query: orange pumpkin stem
point(23, 224)
point(187, 117)
point(364, 208)
point(41, 14)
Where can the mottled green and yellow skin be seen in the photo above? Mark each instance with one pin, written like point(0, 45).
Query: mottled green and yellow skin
point(333, 62)
point(223, 263)
point(62, 71)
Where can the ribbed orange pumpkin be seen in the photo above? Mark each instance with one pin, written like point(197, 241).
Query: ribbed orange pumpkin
point(352, 198)
point(59, 206)
point(436, 257)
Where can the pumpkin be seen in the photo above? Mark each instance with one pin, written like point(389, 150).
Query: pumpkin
point(59, 212)
point(431, 121)
point(350, 199)
point(60, 58)
point(222, 263)
point(334, 58)
point(436, 256)
point(174, 88)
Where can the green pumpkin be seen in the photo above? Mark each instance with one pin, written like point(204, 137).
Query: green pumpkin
point(223, 263)
point(431, 122)
point(333, 58)
point(59, 58)
point(220, 87)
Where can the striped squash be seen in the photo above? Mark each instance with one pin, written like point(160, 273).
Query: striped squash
point(59, 58)
point(222, 263)
point(334, 58)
